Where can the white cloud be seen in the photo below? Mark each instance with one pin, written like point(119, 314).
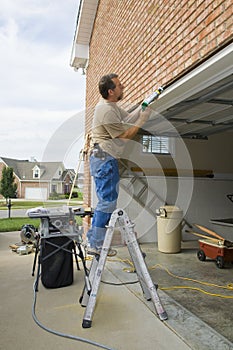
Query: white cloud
point(39, 90)
point(48, 135)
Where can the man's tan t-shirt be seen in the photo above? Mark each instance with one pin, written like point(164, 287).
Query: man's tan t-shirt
point(108, 123)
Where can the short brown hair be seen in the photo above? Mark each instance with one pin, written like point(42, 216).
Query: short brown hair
point(106, 83)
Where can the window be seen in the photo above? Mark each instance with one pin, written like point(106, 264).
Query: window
point(36, 173)
point(156, 144)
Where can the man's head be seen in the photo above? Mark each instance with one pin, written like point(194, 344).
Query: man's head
point(111, 88)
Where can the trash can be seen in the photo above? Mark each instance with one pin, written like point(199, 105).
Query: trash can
point(169, 229)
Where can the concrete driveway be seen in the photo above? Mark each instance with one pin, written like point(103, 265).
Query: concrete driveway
point(122, 320)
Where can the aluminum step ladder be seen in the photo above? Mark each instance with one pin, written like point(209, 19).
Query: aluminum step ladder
point(92, 281)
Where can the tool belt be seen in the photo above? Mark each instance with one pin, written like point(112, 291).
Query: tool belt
point(98, 152)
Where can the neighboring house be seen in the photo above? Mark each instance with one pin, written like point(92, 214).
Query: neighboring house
point(187, 47)
point(38, 180)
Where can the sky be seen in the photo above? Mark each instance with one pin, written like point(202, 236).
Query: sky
point(42, 98)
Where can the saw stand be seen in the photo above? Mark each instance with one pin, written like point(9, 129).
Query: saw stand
point(57, 223)
point(93, 279)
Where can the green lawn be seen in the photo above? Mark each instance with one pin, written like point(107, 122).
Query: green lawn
point(20, 204)
point(15, 224)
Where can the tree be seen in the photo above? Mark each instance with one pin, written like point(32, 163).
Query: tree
point(8, 187)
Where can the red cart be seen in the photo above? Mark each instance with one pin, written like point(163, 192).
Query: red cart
point(215, 250)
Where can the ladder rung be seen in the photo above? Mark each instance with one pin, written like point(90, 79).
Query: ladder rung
point(133, 180)
point(152, 201)
point(138, 200)
point(140, 193)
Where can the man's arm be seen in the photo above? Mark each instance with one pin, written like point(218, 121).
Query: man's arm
point(133, 130)
point(133, 116)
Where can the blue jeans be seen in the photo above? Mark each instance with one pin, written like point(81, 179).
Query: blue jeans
point(106, 177)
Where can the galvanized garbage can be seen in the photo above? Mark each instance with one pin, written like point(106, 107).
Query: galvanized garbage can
point(169, 229)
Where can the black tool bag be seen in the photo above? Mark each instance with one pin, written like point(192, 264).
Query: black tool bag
point(56, 262)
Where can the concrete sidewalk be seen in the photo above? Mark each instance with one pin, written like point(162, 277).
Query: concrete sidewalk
point(123, 319)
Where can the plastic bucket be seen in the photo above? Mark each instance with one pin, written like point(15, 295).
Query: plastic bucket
point(169, 229)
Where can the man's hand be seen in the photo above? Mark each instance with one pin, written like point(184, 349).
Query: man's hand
point(144, 116)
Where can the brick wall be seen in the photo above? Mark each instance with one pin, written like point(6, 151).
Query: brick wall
point(151, 43)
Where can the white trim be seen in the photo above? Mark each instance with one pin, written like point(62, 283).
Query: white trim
point(84, 28)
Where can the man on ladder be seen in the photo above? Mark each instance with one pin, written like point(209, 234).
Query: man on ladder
point(112, 127)
point(111, 130)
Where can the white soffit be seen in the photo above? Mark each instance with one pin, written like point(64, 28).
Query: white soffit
point(84, 27)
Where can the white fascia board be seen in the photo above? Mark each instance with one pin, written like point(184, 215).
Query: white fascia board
point(211, 71)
